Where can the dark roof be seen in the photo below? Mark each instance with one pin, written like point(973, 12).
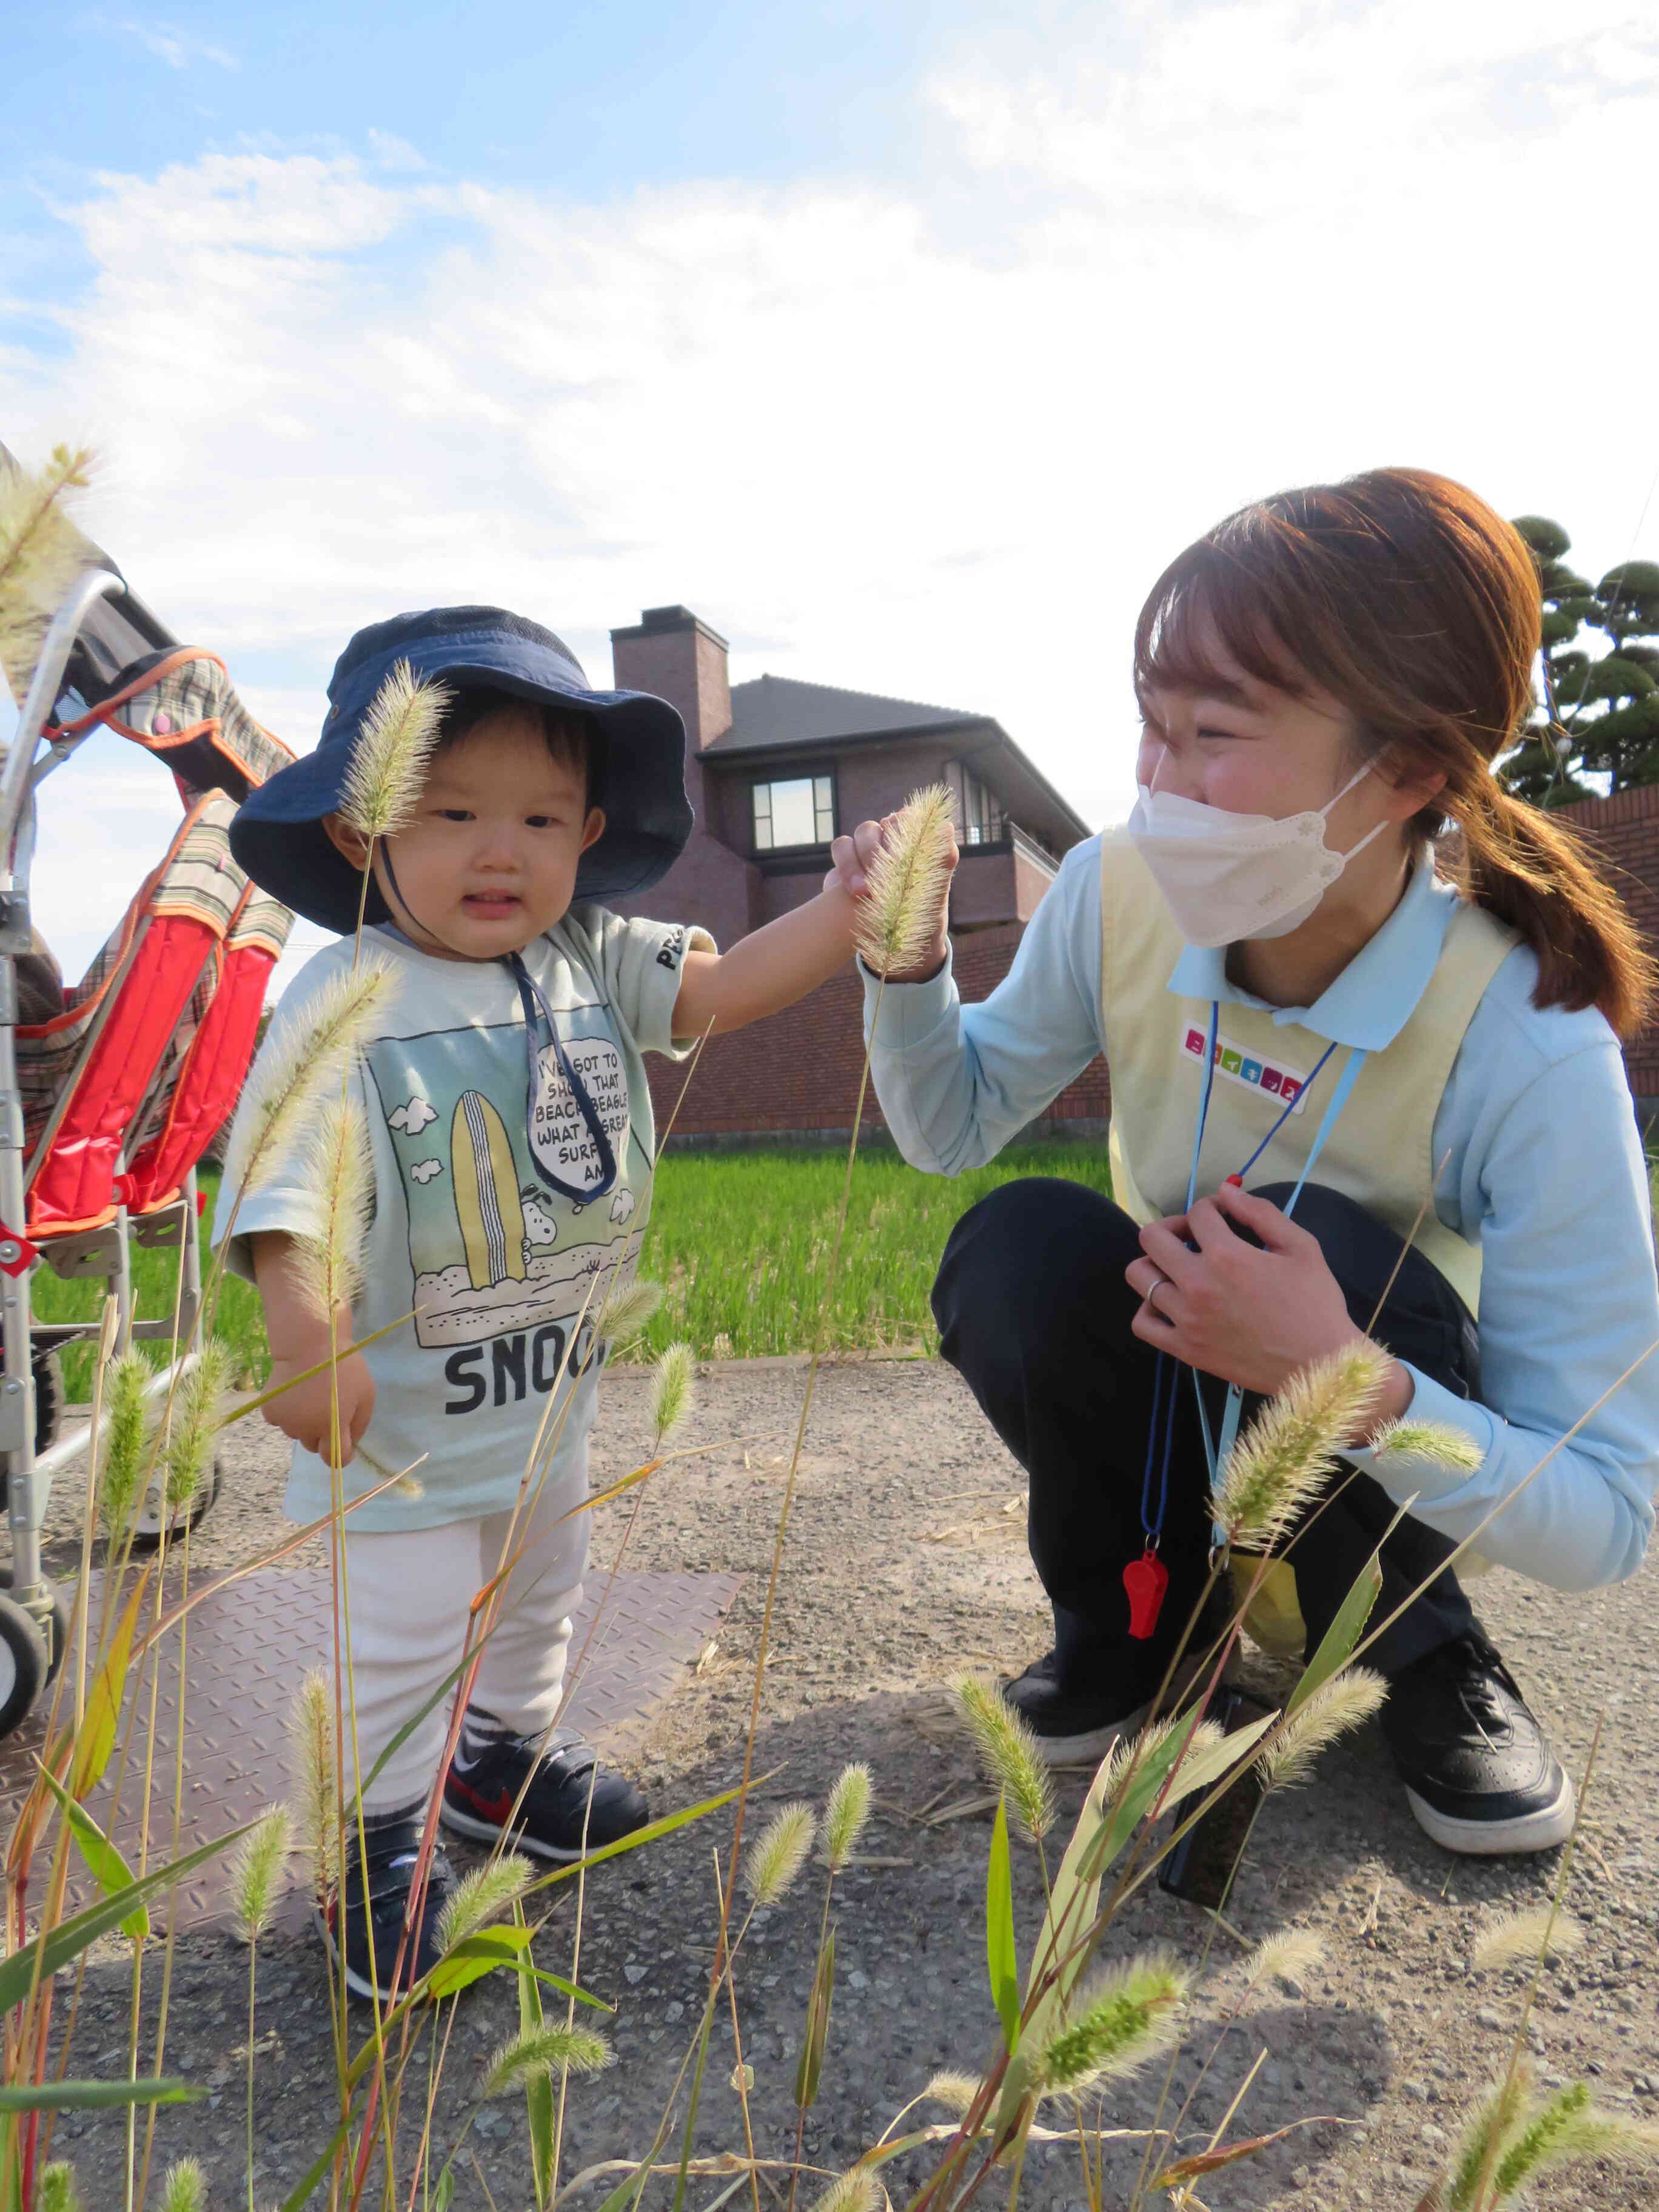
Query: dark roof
point(776, 710)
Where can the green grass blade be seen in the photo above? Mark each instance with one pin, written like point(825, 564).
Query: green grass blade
point(649, 1834)
point(105, 1864)
point(1344, 1632)
point(809, 2071)
point(70, 1938)
point(81, 2096)
point(1001, 1958)
point(539, 2087)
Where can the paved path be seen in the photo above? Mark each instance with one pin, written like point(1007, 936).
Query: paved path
point(906, 1562)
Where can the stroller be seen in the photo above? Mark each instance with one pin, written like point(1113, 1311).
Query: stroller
point(112, 1091)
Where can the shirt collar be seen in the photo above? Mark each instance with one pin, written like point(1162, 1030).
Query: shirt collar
point(1375, 995)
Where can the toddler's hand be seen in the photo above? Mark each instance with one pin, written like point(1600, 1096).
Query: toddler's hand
point(305, 1411)
point(853, 856)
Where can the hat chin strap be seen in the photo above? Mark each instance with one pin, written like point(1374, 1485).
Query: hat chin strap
point(538, 1015)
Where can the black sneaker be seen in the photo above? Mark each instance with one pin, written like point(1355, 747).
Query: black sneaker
point(1478, 1773)
point(394, 1850)
point(1073, 1725)
point(572, 1806)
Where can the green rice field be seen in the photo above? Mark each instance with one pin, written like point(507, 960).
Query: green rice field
point(740, 1242)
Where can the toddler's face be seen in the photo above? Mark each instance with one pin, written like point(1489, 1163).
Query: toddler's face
point(489, 861)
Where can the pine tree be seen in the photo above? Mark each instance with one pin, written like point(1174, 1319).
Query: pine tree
point(1606, 719)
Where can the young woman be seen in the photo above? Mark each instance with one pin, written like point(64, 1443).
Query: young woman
point(1328, 946)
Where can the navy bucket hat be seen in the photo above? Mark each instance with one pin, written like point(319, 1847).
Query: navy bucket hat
point(278, 836)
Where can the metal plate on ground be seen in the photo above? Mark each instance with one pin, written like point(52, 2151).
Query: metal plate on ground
point(250, 1643)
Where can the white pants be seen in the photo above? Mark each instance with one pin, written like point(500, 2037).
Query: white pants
point(409, 1592)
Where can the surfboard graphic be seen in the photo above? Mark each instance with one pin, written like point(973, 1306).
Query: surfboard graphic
point(487, 1201)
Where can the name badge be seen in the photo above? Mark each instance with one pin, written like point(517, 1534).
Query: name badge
point(1271, 1076)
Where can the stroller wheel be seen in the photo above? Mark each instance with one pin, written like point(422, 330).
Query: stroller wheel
point(148, 1522)
point(60, 1626)
point(23, 1667)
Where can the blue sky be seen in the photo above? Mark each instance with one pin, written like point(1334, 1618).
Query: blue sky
point(905, 342)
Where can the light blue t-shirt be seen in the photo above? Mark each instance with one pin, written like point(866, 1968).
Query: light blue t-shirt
point(1544, 1170)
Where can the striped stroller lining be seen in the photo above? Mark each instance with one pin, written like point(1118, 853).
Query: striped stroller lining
point(185, 708)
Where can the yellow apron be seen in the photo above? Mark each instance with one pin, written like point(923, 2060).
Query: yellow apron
point(1379, 1153)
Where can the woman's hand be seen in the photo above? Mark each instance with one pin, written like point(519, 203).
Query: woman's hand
point(1253, 1314)
point(853, 857)
point(304, 1410)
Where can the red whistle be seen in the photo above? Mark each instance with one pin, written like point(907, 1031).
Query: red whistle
point(1145, 1581)
point(1237, 1180)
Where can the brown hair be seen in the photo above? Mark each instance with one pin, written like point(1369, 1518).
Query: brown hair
point(1411, 602)
point(572, 738)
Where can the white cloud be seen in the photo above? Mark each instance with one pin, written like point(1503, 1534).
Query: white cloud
point(423, 1170)
point(932, 441)
point(177, 48)
point(413, 1118)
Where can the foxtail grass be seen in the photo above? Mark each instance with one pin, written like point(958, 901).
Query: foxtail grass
point(308, 1063)
point(391, 753)
point(326, 1264)
point(778, 1854)
point(1523, 1938)
point(672, 1388)
point(546, 2050)
point(1007, 1754)
point(845, 1814)
point(898, 918)
point(1128, 2014)
point(1285, 1458)
point(1347, 1701)
point(41, 553)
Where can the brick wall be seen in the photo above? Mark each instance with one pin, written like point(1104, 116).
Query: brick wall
point(1623, 831)
point(798, 1073)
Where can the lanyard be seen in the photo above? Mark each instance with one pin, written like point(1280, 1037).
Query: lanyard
point(1145, 1579)
point(540, 1027)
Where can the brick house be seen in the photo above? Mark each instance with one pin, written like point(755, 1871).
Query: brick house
point(775, 769)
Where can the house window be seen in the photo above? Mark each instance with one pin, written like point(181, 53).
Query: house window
point(982, 816)
point(801, 812)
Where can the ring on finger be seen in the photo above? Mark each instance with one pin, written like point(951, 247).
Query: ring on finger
point(1158, 1283)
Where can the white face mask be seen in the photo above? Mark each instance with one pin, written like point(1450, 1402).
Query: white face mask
point(1231, 876)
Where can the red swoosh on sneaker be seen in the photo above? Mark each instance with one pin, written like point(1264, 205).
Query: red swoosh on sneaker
point(494, 1808)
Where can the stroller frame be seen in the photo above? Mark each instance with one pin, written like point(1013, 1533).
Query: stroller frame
point(102, 1252)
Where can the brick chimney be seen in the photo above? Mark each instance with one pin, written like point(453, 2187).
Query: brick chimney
point(670, 651)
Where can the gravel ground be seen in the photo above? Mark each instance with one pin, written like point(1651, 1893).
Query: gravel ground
point(906, 1562)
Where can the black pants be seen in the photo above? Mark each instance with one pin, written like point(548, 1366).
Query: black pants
point(1035, 1314)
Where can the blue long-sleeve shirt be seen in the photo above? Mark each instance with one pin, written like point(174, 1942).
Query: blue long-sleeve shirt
point(1543, 1169)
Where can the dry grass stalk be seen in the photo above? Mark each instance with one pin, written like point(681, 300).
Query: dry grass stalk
point(327, 1268)
point(42, 553)
point(845, 1814)
point(482, 1896)
point(391, 754)
point(1346, 1702)
point(1524, 1937)
point(256, 1871)
point(672, 1391)
point(1285, 1456)
point(778, 1853)
point(1127, 2015)
point(898, 916)
point(546, 2050)
point(305, 1066)
point(1007, 1753)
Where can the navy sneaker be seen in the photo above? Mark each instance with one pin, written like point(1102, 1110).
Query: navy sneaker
point(1479, 1774)
point(567, 1803)
point(375, 1908)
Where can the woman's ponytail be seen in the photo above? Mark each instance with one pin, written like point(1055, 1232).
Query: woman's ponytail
point(1534, 873)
